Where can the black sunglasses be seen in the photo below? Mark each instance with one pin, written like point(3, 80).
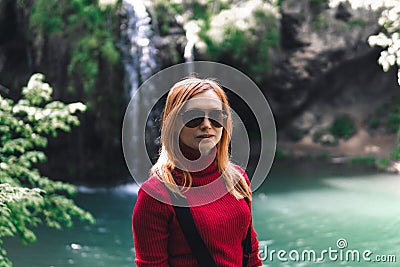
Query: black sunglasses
point(194, 117)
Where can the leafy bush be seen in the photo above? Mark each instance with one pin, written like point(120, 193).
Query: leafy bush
point(383, 163)
point(343, 127)
point(27, 198)
point(395, 153)
point(393, 121)
point(356, 23)
point(387, 115)
point(373, 123)
point(363, 160)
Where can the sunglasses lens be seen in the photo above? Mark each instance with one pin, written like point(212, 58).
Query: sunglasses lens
point(193, 118)
point(217, 118)
point(194, 123)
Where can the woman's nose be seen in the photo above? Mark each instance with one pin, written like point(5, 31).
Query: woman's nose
point(206, 123)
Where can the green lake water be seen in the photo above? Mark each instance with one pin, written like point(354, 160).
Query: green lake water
point(304, 212)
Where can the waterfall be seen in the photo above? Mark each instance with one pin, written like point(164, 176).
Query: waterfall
point(140, 63)
point(192, 30)
point(139, 52)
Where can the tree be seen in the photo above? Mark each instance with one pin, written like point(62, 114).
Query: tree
point(27, 198)
point(389, 35)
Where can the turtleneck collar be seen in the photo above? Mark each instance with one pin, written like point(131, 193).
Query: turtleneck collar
point(188, 152)
point(207, 175)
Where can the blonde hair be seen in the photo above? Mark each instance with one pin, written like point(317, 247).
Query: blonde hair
point(181, 92)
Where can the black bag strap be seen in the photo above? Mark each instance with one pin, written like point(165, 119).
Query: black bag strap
point(193, 238)
point(247, 242)
point(191, 233)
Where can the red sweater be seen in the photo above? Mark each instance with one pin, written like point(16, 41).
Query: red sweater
point(222, 224)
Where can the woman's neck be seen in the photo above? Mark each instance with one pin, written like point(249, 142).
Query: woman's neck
point(193, 160)
point(188, 152)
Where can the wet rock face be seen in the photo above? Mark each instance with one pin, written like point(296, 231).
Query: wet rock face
point(7, 20)
point(316, 39)
point(7, 28)
point(14, 64)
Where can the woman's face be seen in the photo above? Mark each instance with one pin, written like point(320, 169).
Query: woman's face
point(200, 117)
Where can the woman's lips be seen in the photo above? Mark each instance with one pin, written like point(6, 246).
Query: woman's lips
point(205, 136)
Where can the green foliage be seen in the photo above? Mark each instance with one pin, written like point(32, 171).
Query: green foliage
point(166, 11)
point(40, 19)
point(200, 11)
point(383, 163)
point(318, 2)
point(281, 154)
point(387, 115)
point(247, 48)
point(319, 22)
point(343, 127)
point(324, 156)
point(21, 3)
point(84, 58)
point(373, 123)
point(86, 27)
point(395, 153)
point(393, 122)
point(26, 197)
point(356, 23)
point(363, 160)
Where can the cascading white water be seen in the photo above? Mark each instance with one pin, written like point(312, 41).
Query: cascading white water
point(140, 54)
point(140, 62)
point(192, 30)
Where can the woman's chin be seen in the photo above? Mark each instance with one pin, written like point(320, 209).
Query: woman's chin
point(205, 146)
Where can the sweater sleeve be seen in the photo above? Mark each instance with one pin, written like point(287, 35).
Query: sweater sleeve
point(254, 260)
point(150, 231)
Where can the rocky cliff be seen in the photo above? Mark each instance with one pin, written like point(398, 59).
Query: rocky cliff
point(326, 74)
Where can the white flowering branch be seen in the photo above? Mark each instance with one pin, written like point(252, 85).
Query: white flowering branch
point(389, 37)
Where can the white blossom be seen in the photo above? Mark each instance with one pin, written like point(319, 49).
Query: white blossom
point(390, 20)
point(105, 3)
point(72, 108)
point(241, 16)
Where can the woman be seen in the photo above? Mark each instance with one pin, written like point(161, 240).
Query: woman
point(194, 165)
